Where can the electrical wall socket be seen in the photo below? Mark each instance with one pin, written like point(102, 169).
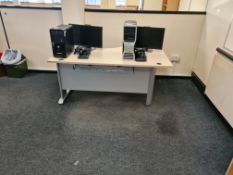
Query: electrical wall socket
point(175, 59)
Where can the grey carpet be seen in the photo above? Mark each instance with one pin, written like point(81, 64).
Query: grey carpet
point(107, 133)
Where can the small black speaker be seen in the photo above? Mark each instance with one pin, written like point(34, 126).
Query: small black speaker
point(62, 42)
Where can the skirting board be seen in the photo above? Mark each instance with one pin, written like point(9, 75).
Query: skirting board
point(200, 85)
point(41, 71)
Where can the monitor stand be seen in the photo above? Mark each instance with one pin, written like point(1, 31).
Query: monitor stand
point(83, 52)
point(140, 55)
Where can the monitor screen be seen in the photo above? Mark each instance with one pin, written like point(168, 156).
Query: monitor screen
point(85, 35)
point(150, 38)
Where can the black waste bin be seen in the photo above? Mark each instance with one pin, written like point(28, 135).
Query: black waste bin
point(2, 69)
point(18, 70)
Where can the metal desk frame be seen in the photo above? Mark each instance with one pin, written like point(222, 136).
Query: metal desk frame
point(105, 71)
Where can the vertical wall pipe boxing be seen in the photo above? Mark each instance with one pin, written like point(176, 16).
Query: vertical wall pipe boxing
point(141, 5)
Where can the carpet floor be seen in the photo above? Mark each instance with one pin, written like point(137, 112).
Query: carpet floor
point(109, 133)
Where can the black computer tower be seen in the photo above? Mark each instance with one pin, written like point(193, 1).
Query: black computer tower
point(61, 39)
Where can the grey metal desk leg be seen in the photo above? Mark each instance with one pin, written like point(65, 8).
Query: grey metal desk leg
point(150, 91)
point(64, 93)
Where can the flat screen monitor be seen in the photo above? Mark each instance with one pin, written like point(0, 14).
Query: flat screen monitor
point(85, 35)
point(150, 38)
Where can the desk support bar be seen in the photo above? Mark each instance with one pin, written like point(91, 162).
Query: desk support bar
point(150, 91)
point(64, 93)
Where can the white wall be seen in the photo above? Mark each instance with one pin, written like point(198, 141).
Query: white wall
point(193, 5)
point(153, 4)
point(229, 40)
point(218, 19)
point(73, 11)
point(219, 86)
point(184, 5)
point(28, 31)
point(182, 34)
point(32, 37)
point(198, 5)
point(132, 2)
point(3, 44)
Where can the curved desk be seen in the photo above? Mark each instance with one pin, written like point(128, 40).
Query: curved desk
point(107, 71)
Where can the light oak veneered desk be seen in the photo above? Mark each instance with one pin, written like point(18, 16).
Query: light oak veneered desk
point(107, 71)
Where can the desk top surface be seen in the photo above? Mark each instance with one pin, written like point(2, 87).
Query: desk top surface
point(113, 57)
